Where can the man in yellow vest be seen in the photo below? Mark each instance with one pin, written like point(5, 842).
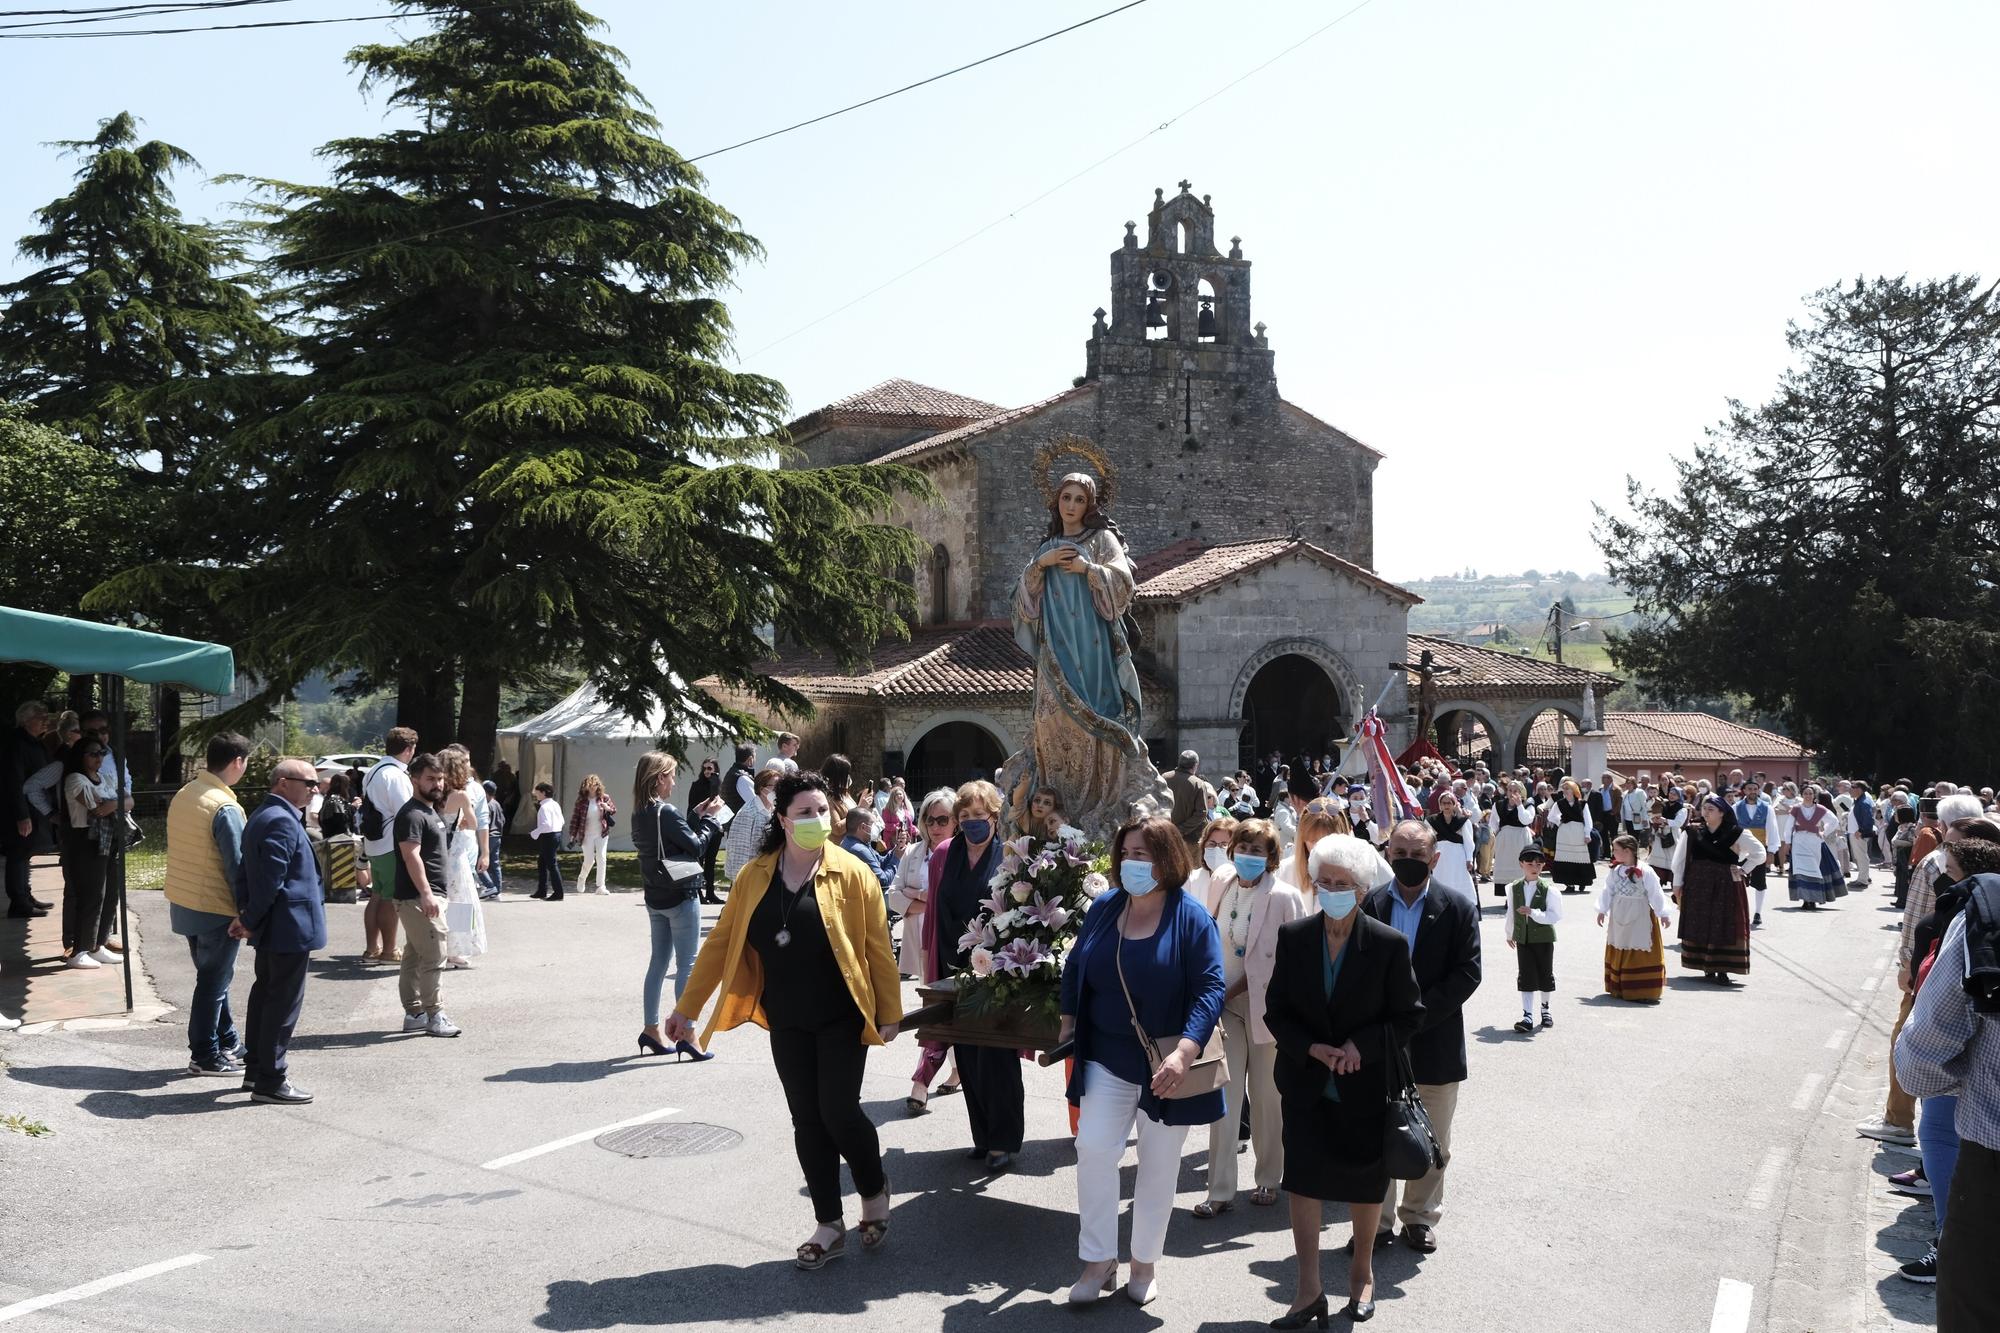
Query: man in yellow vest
point(204, 845)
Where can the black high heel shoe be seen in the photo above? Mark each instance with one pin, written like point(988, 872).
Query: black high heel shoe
point(1358, 1310)
point(1315, 1313)
point(691, 1051)
point(651, 1045)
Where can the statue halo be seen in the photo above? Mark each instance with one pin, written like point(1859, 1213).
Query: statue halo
point(1047, 475)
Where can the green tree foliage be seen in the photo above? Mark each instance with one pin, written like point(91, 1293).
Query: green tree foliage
point(1831, 555)
point(514, 440)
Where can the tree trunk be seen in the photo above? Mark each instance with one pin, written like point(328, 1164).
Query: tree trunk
point(82, 693)
point(479, 714)
point(425, 698)
point(167, 726)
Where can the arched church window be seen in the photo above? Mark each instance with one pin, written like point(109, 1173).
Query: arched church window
point(1180, 238)
point(940, 585)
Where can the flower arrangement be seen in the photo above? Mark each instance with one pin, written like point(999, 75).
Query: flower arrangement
point(1017, 939)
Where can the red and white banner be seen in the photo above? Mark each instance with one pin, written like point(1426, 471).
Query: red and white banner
point(1389, 795)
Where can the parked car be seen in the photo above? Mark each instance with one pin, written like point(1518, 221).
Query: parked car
point(340, 763)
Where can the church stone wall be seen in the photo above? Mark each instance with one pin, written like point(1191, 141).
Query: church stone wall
point(855, 444)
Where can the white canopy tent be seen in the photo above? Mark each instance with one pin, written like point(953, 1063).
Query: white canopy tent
point(582, 735)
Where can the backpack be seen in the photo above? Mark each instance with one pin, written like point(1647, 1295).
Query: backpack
point(373, 826)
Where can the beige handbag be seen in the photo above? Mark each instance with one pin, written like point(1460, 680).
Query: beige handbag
point(1206, 1072)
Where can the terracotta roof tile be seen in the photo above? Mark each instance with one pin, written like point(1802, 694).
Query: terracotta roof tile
point(1490, 669)
point(935, 444)
point(1671, 738)
point(1188, 568)
point(937, 662)
point(898, 403)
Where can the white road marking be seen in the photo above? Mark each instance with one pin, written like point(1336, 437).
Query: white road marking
point(1870, 983)
point(1732, 1306)
point(1765, 1185)
point(1839, 1036)
point(103, 1284)
point(1807, 1091)
point(574, 1139)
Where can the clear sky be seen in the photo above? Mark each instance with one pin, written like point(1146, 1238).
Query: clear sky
point(1524, 249)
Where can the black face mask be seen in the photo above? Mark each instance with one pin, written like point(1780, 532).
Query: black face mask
point(1410, 871)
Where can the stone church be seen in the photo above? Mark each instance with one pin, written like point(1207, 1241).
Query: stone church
point(1251, 523)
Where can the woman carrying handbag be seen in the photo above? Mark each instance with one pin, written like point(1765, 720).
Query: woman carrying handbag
point(1342, 1004)
point(670, 851)
point(1141, 996)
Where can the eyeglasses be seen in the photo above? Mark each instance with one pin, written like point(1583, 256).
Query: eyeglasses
point(313, 783)
point(93, 753)
point(937, 821)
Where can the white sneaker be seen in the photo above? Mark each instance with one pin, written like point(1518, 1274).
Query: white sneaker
point(106, 957)
point(82, 961)
point(440, 1026)
point(416, 1022)
point(1885, 1132)
point(8, 1024)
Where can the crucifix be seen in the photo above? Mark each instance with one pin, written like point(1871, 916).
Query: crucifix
point(1428, 672)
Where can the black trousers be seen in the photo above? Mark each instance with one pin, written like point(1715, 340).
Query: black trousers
point(83, 865)
point(20, 853)
point(1968, 1299)
point(820, 1069)
point(548, 878)
point(276, 997)
point(994, 1100)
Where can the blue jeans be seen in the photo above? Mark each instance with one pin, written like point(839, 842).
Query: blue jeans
point(211, 1030)
point(1937, 1139)
point(676, 930)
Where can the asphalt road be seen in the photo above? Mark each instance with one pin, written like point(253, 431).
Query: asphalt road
point(1636, 1168)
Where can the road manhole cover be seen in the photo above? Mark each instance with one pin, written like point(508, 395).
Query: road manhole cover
point(682, 1139)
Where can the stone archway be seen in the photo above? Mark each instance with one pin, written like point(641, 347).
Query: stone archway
point(1451, 714)
point(950, 749)
point(1295, 696)
point(1569, 710)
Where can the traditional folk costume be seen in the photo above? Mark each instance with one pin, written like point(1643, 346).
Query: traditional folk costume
point(1715, 911)
point(1667, 837)
point(1456, 853)
point(1534, 940)
point(1573, 869)
point(1516, 825)
point(1634, 908)
point(1816, 877)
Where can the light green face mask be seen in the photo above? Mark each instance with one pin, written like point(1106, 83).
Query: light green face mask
point(812, 831)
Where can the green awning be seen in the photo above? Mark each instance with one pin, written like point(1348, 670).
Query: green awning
point(83, 648)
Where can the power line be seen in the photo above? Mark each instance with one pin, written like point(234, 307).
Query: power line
point(145, 11)
point(209, 27)
point(717, 152)
point(127, 9)
point(1166, 124)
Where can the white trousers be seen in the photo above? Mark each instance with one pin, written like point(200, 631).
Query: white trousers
point(595, 848)
point(1105, 1118)
point(1252, 1068)
point(1857, 849)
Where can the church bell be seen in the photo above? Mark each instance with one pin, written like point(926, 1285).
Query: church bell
point(1205, 326)
point(1156, 301)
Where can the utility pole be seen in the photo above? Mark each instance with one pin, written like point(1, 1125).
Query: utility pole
point(1556, 629)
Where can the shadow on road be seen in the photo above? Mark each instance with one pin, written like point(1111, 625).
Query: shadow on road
point(578, 1071)
point(1492, 1035)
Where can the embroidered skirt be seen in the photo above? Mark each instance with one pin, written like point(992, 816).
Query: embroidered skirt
point(1636, 974)
point(1715, 920)
point(1827, 884)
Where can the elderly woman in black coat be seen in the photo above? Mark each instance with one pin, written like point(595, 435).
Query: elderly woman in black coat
point(1341, 993)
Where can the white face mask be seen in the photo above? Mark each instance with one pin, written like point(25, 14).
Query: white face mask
point(1215, 858)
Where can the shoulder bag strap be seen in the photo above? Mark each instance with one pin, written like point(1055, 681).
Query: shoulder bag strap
point(1138, 1028)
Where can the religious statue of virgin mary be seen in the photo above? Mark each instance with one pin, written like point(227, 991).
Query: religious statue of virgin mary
point(1084, 738)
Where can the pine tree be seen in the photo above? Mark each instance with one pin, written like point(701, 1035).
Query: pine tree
point(514, 441)
point(129, 339)
point(1834, 555)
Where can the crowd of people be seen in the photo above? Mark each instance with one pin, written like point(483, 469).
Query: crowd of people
point(1266, 961)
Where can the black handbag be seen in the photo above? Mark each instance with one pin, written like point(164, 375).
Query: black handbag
point(1410, 1148)
point(683, 879)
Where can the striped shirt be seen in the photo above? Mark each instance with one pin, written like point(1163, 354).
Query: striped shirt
point(1949, 1049)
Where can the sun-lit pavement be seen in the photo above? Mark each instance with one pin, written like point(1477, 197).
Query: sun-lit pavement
point(1635, 1168)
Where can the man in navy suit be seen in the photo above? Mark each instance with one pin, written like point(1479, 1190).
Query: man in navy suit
point(1442, 927)
point(279, 904)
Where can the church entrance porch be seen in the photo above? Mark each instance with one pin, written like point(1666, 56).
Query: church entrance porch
point(949, 755)
point(1293, 708)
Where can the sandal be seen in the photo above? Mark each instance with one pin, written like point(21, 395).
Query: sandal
point(915, 1107)
point(944, 1090)
point(875, 1230)
point(1263, 1196)
point(812, 1255)
point(1208, 1208)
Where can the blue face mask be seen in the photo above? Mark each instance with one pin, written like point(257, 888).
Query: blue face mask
point(1249, 868)
point(1336, 903)
point(1137, 877)
point(976, 831)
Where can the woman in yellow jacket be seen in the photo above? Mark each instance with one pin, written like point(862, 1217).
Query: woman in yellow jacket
point(802, 950)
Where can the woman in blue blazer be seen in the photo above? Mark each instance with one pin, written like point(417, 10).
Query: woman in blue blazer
point(1166, 945)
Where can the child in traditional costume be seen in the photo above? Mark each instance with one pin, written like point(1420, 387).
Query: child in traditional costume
point(1533, 909)
point(1634, 908)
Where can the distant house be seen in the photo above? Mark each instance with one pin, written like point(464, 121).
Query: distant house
point(1695, 745)
point(1483, 633)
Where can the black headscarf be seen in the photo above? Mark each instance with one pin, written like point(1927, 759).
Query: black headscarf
point(1718, 844)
